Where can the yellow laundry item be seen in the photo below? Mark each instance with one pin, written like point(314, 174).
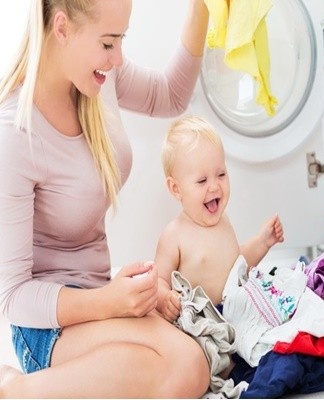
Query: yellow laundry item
point(241, 30)
point(218, 12)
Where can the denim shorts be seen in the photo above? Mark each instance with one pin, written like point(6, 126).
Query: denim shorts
point(34, 347)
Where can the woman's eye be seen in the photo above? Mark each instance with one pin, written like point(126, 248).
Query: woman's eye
point(108, 46)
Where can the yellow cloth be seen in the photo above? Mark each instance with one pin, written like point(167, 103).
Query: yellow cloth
point(241, 30)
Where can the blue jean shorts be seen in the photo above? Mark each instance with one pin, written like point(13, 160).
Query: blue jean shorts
point(34, 347)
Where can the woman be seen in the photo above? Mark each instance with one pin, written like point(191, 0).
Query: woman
point(63, 158)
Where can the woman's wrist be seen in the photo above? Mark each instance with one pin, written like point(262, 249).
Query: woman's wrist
point(195, 29)
point(79, 305)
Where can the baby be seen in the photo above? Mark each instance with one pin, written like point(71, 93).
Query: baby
point(200, 242)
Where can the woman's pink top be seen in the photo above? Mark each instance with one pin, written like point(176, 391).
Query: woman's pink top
point(52, 205)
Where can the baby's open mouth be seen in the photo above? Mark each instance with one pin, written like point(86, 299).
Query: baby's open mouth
point(212, 205)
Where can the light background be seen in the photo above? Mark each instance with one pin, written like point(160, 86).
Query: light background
point(145, 206)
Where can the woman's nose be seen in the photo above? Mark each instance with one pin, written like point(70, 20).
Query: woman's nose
point(116, 55)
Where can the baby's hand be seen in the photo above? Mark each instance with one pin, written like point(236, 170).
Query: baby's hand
point(171, 306)
point(272, 231)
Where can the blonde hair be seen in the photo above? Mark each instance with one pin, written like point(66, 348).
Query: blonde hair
point(184, 133)
point(25, 68)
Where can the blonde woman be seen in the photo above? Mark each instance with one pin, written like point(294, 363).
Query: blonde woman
point(63, 158)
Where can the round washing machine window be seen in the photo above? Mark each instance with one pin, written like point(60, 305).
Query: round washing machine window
point(294, 62)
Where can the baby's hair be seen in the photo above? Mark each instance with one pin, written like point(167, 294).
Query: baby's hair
point(184, 133)
point(26, 66)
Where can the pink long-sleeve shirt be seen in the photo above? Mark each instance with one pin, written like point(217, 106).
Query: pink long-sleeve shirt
point(52, 204)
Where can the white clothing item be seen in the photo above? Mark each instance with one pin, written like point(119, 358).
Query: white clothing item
point(211, 395)
point(259, 303)
point(309, 318)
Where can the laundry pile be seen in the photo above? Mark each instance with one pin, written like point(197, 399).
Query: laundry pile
point(279, 325)
point(271, 324)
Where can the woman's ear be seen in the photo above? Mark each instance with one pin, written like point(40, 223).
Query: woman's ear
point(173, 187)
point(60, 27)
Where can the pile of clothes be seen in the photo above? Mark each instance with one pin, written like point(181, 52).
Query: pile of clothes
point(270, 323)
point(278, 317)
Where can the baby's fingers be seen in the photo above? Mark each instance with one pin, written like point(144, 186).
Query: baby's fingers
point(279, 231)
point(175, 300)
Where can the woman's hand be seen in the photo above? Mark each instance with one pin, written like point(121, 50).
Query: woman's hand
point(123, 296)
point(131, 294)
point(195, 28)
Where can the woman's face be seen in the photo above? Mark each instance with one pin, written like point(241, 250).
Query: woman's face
point(93, 49)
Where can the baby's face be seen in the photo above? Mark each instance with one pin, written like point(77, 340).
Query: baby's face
point(203, 182)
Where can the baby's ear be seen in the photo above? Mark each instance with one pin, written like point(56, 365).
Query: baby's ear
point(173, 187)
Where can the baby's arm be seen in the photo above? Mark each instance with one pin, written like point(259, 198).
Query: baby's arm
point(270, 233)
point(167, 260)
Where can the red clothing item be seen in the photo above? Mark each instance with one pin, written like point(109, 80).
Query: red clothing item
point(303, 343)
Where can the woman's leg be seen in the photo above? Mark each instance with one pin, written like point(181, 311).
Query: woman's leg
point(121, 358)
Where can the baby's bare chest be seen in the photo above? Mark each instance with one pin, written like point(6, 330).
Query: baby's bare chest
point(207, 260)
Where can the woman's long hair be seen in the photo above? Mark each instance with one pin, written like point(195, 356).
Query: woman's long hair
point(24, 70)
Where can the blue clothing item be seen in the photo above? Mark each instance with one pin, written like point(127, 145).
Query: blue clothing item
point(34, 347)
point(242, 371)
point(282, 374)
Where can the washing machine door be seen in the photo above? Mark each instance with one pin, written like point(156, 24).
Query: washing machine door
point(269, 155)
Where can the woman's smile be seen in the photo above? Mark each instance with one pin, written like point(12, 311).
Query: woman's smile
point(100, 76)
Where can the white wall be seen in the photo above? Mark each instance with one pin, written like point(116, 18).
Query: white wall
point(12, 22)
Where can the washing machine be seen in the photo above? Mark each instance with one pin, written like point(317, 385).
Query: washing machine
point(275, 163)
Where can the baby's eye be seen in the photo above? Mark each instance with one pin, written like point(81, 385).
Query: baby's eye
point(221, 175)
point(203, 180)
